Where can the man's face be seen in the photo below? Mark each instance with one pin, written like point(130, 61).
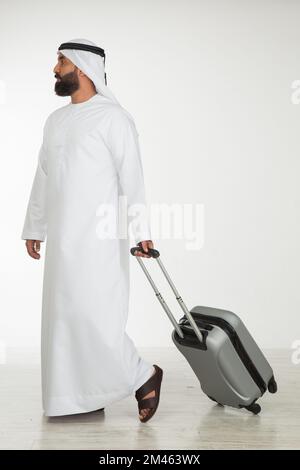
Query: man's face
point(66, 74)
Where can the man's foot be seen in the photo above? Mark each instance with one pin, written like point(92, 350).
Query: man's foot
point(148, 395)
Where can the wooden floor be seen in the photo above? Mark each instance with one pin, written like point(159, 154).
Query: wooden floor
point(185, 419)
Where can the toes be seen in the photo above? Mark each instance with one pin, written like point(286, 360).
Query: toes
point(144, 412)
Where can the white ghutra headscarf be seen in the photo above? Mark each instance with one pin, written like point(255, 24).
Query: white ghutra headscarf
point(91, 60)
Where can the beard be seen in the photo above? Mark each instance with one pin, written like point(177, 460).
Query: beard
point(67, 84)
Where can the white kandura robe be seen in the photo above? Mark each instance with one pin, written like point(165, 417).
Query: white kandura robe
point(90, 154)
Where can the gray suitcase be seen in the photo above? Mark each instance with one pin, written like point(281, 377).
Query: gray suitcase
point(230, 367)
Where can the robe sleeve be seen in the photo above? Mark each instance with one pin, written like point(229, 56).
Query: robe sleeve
point(124, 145)
point(35, 224)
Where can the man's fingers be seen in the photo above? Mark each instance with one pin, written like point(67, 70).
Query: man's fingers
point(139, 253)
point(146, 244)
point(31, 248)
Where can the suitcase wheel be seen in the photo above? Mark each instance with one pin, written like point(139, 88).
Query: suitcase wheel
point(272, 385)
point(254, 408)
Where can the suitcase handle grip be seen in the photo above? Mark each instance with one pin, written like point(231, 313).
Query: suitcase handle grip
point(151, 251)
point(155, 254)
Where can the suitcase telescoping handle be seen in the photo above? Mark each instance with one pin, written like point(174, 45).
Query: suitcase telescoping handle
point(156, 255)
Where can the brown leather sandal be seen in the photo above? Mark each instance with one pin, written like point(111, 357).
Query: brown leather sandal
point(152, 384)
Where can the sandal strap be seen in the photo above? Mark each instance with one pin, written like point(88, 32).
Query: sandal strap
point(147, 403)
point(151, 384)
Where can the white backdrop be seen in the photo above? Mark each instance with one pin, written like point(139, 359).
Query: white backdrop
point(209, 84)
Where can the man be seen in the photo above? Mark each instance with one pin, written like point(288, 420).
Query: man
point(89, 157)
